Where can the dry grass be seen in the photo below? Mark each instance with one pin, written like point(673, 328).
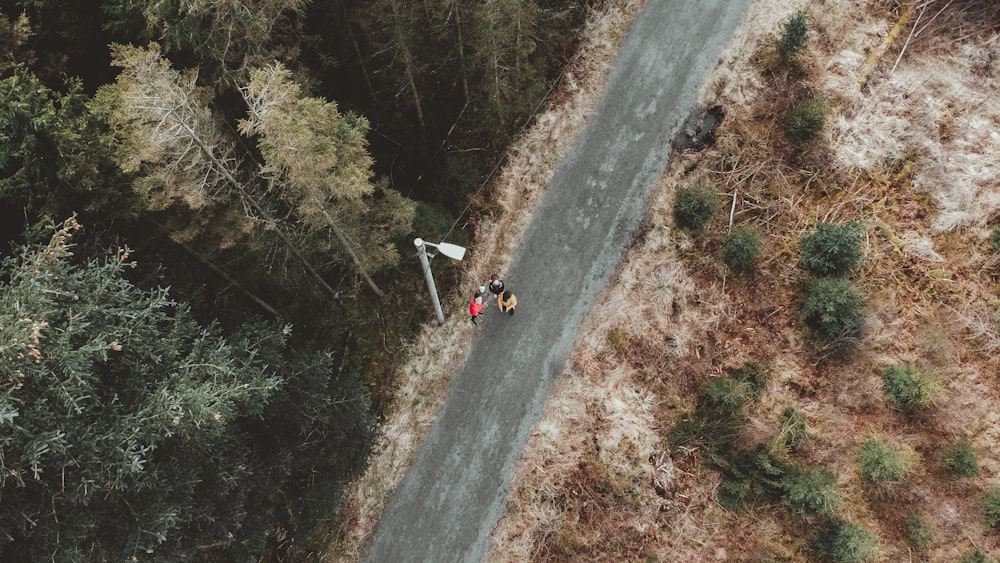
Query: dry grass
point(912, 154)
point(438, 351)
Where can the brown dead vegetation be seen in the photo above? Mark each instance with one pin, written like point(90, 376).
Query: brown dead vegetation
point(597, 480)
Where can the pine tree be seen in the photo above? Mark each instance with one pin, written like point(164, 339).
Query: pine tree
point(229, 36)
point(53, 151)
point(503, 39)
point(794, 36)
point(317, 159)
point(169, 137)
point(120, 416)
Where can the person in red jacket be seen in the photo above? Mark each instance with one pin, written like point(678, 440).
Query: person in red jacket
point(476, 306)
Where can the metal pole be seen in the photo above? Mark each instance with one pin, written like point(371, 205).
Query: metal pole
point(426, 264)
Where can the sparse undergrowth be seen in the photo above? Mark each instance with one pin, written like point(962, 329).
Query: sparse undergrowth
point(917, 289)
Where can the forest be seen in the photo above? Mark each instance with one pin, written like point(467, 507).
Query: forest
point(207, 209)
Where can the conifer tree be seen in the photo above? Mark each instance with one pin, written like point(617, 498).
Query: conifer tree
point(120, 416)
point(229, 36)
point(169, 137)
point(53, 152)
point(317, 159)
point(503, 36)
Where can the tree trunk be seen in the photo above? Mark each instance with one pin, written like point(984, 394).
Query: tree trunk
point(407, 62)
point(461, 51)
point(221, 273)
point(238, 186)
point(347, 247)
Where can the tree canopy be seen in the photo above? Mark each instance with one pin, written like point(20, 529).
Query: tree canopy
point(266, 157)
point(131, 429)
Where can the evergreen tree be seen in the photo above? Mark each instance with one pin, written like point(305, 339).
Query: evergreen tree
point(806, 120)
point(54, 155)
point(120, 416)
point(908, 389)
point(833, 310)
point(229, 36)
point(810, 492)
point(128, 429)
point(832, 249)
point(190, 170)
point(503, 40)
point(794, 35)
point(740, 248)
point(317, 159)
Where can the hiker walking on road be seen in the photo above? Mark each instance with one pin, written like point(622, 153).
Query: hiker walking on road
point(507, 301)
point(496, 285)
point(478, 304)
point(475, 308)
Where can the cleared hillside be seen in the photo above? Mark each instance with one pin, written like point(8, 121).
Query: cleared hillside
point(909, 152)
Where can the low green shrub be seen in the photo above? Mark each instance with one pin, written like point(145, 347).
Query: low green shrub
point(991, 507)
point(727, 394)
point(879, 463)
point(832, 249)
point(735, 494)
point(844, 542)
point(792, 429)
point(995, 240)
point(832, 309)
point(810, 492)
point(740, 386)
point(741, 248)
point(806, 120)
point(693, 207)
point(975, 556)
point(907, 389)
point(794, 35)
point(755, 374)
point(919, 531)
point(714, 433)
point(960, 460)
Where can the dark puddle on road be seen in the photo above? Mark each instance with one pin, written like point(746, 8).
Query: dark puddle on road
point(698, 131)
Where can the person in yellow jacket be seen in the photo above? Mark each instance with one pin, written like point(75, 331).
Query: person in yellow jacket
point(507, 301)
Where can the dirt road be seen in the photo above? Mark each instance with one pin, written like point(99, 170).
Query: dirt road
point(454, 493)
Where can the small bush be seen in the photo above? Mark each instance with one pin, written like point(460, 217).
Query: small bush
point(693, 207)
point(919, 530)
point(754, 374)
point(879, 463)
point(844, 542)
point(740, 386)
point(793, 36)
point(740, 249)
point(619, 341)
point(712, 432)
point(995, 240)
point(793, 427)
point(975, 556)
point(832, 309)
point(727, 394)
point(907, 389)
point(806, 120)
point(991, 507)
point(810, 492)
point(832, 249)
point(735, 494)
point(960, 460)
